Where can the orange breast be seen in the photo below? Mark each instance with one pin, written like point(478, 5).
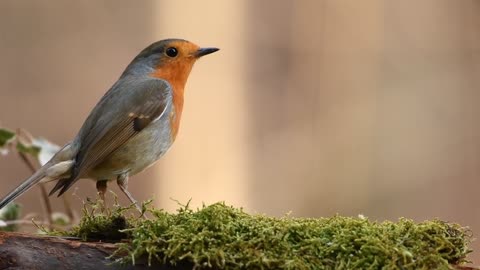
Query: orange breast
point(176, 73)
point(176, 113)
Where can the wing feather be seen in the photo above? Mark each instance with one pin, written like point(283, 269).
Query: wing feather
point(125, 111)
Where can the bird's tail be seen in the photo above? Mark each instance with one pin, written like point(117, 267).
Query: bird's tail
point(26, 185)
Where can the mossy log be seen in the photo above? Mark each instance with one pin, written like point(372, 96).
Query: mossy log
point(24, 251)
point(223, 237)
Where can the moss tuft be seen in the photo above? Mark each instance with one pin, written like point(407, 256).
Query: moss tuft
point(100, 224)
point(223, 237)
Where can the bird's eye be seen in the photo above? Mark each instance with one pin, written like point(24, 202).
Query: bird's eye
point(172, 52)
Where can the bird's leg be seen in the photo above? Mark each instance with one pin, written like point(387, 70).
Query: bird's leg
point(122, 182)
point(102, 189)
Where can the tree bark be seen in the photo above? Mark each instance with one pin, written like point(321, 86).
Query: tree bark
point(33, 252)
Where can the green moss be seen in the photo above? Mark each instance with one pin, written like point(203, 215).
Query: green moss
point(99, 224)
point(222, 237)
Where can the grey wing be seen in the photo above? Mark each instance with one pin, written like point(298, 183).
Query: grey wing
point(121, 114)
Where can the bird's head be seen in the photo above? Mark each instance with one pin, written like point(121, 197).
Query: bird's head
point(170, 59)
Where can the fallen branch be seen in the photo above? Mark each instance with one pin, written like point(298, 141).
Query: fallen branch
point(23, 251)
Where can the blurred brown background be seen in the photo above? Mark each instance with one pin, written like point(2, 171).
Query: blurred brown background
point(316, 107)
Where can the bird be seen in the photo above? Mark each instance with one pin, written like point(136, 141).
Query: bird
point(130, 128)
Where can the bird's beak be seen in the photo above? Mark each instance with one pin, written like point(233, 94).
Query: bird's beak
point(204, 51)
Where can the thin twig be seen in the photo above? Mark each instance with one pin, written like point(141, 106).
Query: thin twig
point(47, 204)
point(27, 162)
point(22, 134)
point(46, 199)
point(68, 208)
point(43, 191)
point(23, 222)
point(31, 222)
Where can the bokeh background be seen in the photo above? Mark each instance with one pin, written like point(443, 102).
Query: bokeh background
point(315, 107)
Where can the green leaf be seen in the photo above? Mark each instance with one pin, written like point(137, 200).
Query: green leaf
point(28, 149)
point(6, 135)
point(9, 212)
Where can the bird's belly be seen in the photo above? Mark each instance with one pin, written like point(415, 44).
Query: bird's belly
point(138, 153)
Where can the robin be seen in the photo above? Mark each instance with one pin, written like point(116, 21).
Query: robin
point(131, 126)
